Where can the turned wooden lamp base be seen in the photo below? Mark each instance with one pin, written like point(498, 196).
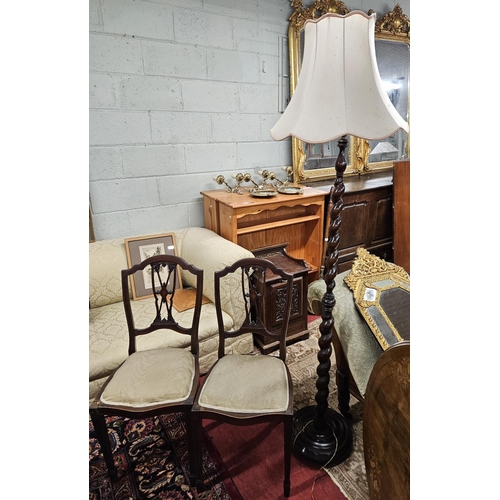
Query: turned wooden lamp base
point(320, 433)
point(331, 446)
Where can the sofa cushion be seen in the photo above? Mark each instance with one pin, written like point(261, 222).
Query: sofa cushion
point(108, 333)
point(107, 258)
point(217, 254)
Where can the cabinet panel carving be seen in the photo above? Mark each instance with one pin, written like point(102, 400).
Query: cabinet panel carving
point(383, 219)
point(354, 228)
point(367, 222)
point(367, 217)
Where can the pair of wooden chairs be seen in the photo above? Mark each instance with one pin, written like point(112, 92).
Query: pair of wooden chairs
point(238, 389)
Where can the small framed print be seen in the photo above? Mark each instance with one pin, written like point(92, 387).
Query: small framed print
point(139, 249)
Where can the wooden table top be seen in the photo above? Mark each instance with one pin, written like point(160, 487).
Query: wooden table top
point(235, 200)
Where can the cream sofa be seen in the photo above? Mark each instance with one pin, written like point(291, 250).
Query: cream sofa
point(108, 334)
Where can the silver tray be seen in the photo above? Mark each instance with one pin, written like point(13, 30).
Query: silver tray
point(263, 193)
point(290, 190)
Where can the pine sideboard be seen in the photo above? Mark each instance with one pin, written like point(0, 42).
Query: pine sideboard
point(296, 221)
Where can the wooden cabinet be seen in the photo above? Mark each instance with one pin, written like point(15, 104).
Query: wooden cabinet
point(366, 222)
point(296, 221)
point(367, 217)
point(402, 214)
point(275, 295)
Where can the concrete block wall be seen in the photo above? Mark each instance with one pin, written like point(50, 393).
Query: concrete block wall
point(180, 91)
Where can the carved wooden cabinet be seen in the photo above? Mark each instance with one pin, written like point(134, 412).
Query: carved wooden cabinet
point(367, 217)
point(274, 295)
point(296, 221)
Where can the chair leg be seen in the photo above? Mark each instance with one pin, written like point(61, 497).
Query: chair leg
point(341, 378)
point(287, 439)
point(101, 431)
point(191, 447)
point(196, 421)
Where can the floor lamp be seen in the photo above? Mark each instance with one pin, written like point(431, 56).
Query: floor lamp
point(339, 93)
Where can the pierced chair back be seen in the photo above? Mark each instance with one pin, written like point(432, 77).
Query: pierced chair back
point(160, 380)
point(253, 388)
point(253, 273)
point(164, 274)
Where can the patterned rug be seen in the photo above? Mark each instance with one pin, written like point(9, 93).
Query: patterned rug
point(152, 460)
point(349, 476)
point(152, 454)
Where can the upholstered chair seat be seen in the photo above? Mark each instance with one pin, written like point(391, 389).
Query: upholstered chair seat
point(146, 378)
point(259, 384)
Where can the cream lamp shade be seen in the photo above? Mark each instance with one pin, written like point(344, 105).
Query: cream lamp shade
point(339, 91)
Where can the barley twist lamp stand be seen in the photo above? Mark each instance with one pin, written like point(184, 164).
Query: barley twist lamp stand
point(320, 433)
point(339, 92)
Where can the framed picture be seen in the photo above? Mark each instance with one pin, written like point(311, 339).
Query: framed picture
point(139, 249)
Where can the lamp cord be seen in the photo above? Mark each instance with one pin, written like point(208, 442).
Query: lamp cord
point(329, 460)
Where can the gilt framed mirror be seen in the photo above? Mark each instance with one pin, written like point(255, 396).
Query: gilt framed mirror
point(392, 46)
point(312, 162)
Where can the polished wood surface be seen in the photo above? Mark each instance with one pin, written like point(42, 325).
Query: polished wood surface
point(402, 214)
point(273, 288)
point(252, 222)
point(366, 222)
point(344, 379)
point(367, 216)
point(386, 425)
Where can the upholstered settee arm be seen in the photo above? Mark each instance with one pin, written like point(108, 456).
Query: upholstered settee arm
point(211, 252)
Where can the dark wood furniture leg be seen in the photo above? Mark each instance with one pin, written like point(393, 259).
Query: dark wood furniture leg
point(101, 430)
point(344, 379)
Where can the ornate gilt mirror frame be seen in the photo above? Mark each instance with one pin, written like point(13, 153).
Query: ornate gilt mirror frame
point(395, 27)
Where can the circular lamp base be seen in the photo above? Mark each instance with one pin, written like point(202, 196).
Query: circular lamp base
point(309, 443)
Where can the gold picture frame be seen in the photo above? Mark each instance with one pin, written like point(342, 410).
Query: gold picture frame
point(141, 248)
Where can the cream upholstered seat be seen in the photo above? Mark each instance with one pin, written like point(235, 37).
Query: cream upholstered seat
point(267, 392)
point(245, 389)
point(146, 378)
point(154, 381)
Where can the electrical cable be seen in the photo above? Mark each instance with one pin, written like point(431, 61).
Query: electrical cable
point(329, 460)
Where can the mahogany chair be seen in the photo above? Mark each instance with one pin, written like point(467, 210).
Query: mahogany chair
point(252, 388)
point(156, 381)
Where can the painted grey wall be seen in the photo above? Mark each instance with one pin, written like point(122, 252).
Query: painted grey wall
point(180, 91)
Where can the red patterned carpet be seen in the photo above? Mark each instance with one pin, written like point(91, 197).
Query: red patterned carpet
point(151, 456)
point(238, 462)
point(254, 457)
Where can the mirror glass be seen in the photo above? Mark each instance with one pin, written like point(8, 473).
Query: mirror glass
point(393, 59)
point(392, 44)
